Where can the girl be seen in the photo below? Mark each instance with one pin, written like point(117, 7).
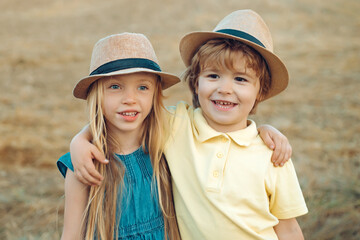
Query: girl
point(124, 97)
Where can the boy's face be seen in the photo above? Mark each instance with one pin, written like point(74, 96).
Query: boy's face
point(227, 96)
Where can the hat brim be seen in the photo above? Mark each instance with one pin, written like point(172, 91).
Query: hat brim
point(82, 87)
point(191, 42)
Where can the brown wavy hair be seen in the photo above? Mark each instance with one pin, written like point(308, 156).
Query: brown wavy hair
point(100, 214)
point(222, 53)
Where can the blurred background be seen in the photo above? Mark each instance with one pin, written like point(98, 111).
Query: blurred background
point(46, 48)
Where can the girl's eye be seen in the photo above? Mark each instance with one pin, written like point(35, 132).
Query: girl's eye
point(240, 79)
point(114, 86)
point(142, 88)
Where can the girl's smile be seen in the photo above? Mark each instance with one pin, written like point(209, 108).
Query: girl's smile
point(129, 115)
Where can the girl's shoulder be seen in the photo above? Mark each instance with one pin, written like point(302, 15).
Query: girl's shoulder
point(63, 163)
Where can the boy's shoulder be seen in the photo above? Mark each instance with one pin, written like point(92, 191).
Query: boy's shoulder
point(249, 136)
point(258, 146)
point(249, 142)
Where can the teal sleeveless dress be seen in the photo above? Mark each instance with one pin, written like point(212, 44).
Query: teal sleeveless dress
point(141, 217)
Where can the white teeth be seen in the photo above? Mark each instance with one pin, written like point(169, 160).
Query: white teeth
point(223, 103)
point(132, 114)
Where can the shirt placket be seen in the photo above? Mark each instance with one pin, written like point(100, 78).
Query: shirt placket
point(218, 163)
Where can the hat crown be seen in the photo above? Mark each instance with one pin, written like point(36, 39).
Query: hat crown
point(121, 46)
point(119, 54)
point(248, 27)
point(249, 22)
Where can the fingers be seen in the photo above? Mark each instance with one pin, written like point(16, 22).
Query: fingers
point(277, 154)
point(79, 177)
point(89, 177)
point(268, 141)
point(92, 175)
point(282, 152)
point(86, 172)
point(98, 155)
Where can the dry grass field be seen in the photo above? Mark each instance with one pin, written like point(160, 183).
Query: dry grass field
point(45, 48)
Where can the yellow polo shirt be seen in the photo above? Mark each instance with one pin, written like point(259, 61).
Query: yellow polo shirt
point(225, 186)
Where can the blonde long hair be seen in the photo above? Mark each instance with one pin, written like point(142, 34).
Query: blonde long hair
point(100, 214)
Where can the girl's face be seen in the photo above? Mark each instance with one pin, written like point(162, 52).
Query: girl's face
point(128, 100)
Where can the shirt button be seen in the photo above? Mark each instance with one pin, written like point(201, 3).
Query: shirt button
point(224, 140)
point(216, 174)
point(219, 155)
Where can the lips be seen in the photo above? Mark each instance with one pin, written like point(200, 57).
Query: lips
point(129, 115)
point(223, 105)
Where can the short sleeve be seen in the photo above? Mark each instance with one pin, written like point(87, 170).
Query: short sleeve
point(175, 115)
point(64, 163)
point(285, 195)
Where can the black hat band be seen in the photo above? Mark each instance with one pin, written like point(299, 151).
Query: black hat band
point(241, 34)
point(126, 63)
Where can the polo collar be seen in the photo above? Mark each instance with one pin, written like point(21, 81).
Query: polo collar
point(204, 132)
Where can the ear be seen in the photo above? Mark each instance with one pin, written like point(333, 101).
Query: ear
point(259, 97)
point(196, 86)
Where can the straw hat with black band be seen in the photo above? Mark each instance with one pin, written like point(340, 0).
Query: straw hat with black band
point(120, 54)
point(248, 27)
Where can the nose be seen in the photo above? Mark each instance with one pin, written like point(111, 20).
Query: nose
point(225, 86)
point(129, 96)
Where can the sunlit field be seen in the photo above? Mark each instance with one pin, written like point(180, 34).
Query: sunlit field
point(46, 48)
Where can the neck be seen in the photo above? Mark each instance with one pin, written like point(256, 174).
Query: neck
point(127, 147)
point(127, 142)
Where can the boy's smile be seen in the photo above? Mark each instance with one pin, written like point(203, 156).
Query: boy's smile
point(224, 105)
point(227, 96)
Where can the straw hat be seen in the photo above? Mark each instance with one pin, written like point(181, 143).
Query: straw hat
point(122, 54)
point(248, 27)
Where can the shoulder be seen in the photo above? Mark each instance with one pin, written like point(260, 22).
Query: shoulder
point(64, 163)
point(181, 106)
point(179, 113)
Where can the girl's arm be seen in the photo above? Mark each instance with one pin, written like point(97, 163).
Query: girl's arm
point(82, 153)
point(76, 196)
point(276, 141)
point(288, 229)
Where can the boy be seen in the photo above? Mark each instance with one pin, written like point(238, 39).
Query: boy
point(224, 184)
point(240, 195)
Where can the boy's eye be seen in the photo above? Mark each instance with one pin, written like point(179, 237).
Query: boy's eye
point(240, 79)
point(142, 88)
point(114, 86)
point(213, 76)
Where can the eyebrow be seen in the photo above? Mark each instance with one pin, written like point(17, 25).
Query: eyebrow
point(214, 69)
point(142, 80)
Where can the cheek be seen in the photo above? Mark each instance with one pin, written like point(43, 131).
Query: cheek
point(149, 102)
point(202, 87)
point(108, 104)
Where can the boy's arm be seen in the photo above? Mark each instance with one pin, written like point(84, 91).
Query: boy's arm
point(288, 229)
point(276, 141)
point(76, 195)
point(82, 155)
